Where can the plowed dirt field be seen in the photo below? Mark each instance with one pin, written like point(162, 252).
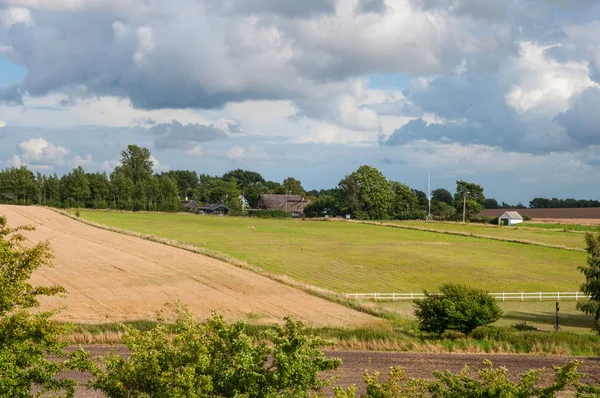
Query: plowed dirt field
point(112, 277)
point(416, 364)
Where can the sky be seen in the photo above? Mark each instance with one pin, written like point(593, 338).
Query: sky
point(505, 94)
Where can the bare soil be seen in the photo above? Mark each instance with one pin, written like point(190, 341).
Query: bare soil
point(112, 277)
point(355, 363)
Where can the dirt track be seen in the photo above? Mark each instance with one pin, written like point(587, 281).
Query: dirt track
point(417, 365)
point(112, 277)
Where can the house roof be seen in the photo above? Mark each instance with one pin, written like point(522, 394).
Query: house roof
point(214, 207)
point(513, 215)
point(292, 203)
point(189, 204)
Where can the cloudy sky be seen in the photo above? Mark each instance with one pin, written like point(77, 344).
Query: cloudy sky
point(502, 93)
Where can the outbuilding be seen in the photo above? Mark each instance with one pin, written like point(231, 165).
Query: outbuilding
point(510, 218)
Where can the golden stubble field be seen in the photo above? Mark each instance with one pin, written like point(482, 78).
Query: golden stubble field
point(111, 277)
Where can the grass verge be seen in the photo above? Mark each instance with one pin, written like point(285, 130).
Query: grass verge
point(404, 336)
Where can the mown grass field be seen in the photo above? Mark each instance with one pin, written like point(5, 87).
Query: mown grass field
point(351, 257)
point(526, 232)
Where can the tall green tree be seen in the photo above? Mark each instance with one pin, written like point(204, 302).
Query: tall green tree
point(591, 286)
point(244, 178)
point(442, 195)
point(291, 186)
point(27, 338)
point(367, 194)
point(474, 198)
point(186, 180)
point(75, 185)
point(136, 163)
point(405, 200)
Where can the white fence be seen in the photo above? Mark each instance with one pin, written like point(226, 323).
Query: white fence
point(504, 296)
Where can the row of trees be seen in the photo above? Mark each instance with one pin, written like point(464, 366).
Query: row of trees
point(543, 203)
point(367, 194)
point(133, 185)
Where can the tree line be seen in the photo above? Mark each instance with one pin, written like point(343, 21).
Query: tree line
point(133, 185)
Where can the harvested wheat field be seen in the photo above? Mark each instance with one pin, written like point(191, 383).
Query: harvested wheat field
point(113, 277)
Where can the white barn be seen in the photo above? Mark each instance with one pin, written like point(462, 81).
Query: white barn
point(510, 218)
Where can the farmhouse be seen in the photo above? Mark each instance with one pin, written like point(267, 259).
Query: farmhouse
point(510, 218)
point(294, 204)
point(217, 208)
point(190, 205)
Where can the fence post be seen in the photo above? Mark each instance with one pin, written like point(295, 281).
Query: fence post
point(558, 296)
point(393, 296)
point(502, 296)
point(576, 296)
point(412, 297)
point(521, 296)
point(540, 296)
point(375, 296)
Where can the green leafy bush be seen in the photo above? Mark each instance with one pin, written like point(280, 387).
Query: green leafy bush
point(456, 307)
point(489, 382)
point(216, 359)
point(26, 338)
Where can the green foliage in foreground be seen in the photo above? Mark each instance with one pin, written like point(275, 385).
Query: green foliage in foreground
point(490, 382)
point(27, 339)
point(456, 307)
point(592, 279)
point(216, 359)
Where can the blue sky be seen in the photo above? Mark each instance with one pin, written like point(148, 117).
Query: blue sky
point(504, 94)
point(11, 73)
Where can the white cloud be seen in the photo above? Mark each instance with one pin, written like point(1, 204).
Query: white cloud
point(81, 161)
point(253, 153)
point(15, 15)
point(158, 166)
point(2, 124)
point(545, 84)
point(38, 151)
point(195, 151)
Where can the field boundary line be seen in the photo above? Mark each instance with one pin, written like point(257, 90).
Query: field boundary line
point(325, 294)
point(468, 234)
point(502, 296)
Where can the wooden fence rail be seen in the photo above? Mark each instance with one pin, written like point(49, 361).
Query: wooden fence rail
point(504, 296)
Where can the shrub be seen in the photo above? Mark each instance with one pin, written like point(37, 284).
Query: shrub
point(526, 217)
point(489, 382)
point(216, 359)
point(77, 213)
point(26, 338)
point(456, 307)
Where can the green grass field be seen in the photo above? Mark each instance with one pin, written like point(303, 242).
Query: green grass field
point(530, 232)
point(563, 227)
point(351, 257)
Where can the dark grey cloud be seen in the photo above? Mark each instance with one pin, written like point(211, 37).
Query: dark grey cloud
point(288, 8)
point(582, 120)
point(11, 96)
point(175, 135)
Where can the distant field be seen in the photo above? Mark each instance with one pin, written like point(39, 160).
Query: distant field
point(550, 234)
point(556, 224)
point(349, 257)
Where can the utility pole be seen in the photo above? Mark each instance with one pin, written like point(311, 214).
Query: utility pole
point(465, 206)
